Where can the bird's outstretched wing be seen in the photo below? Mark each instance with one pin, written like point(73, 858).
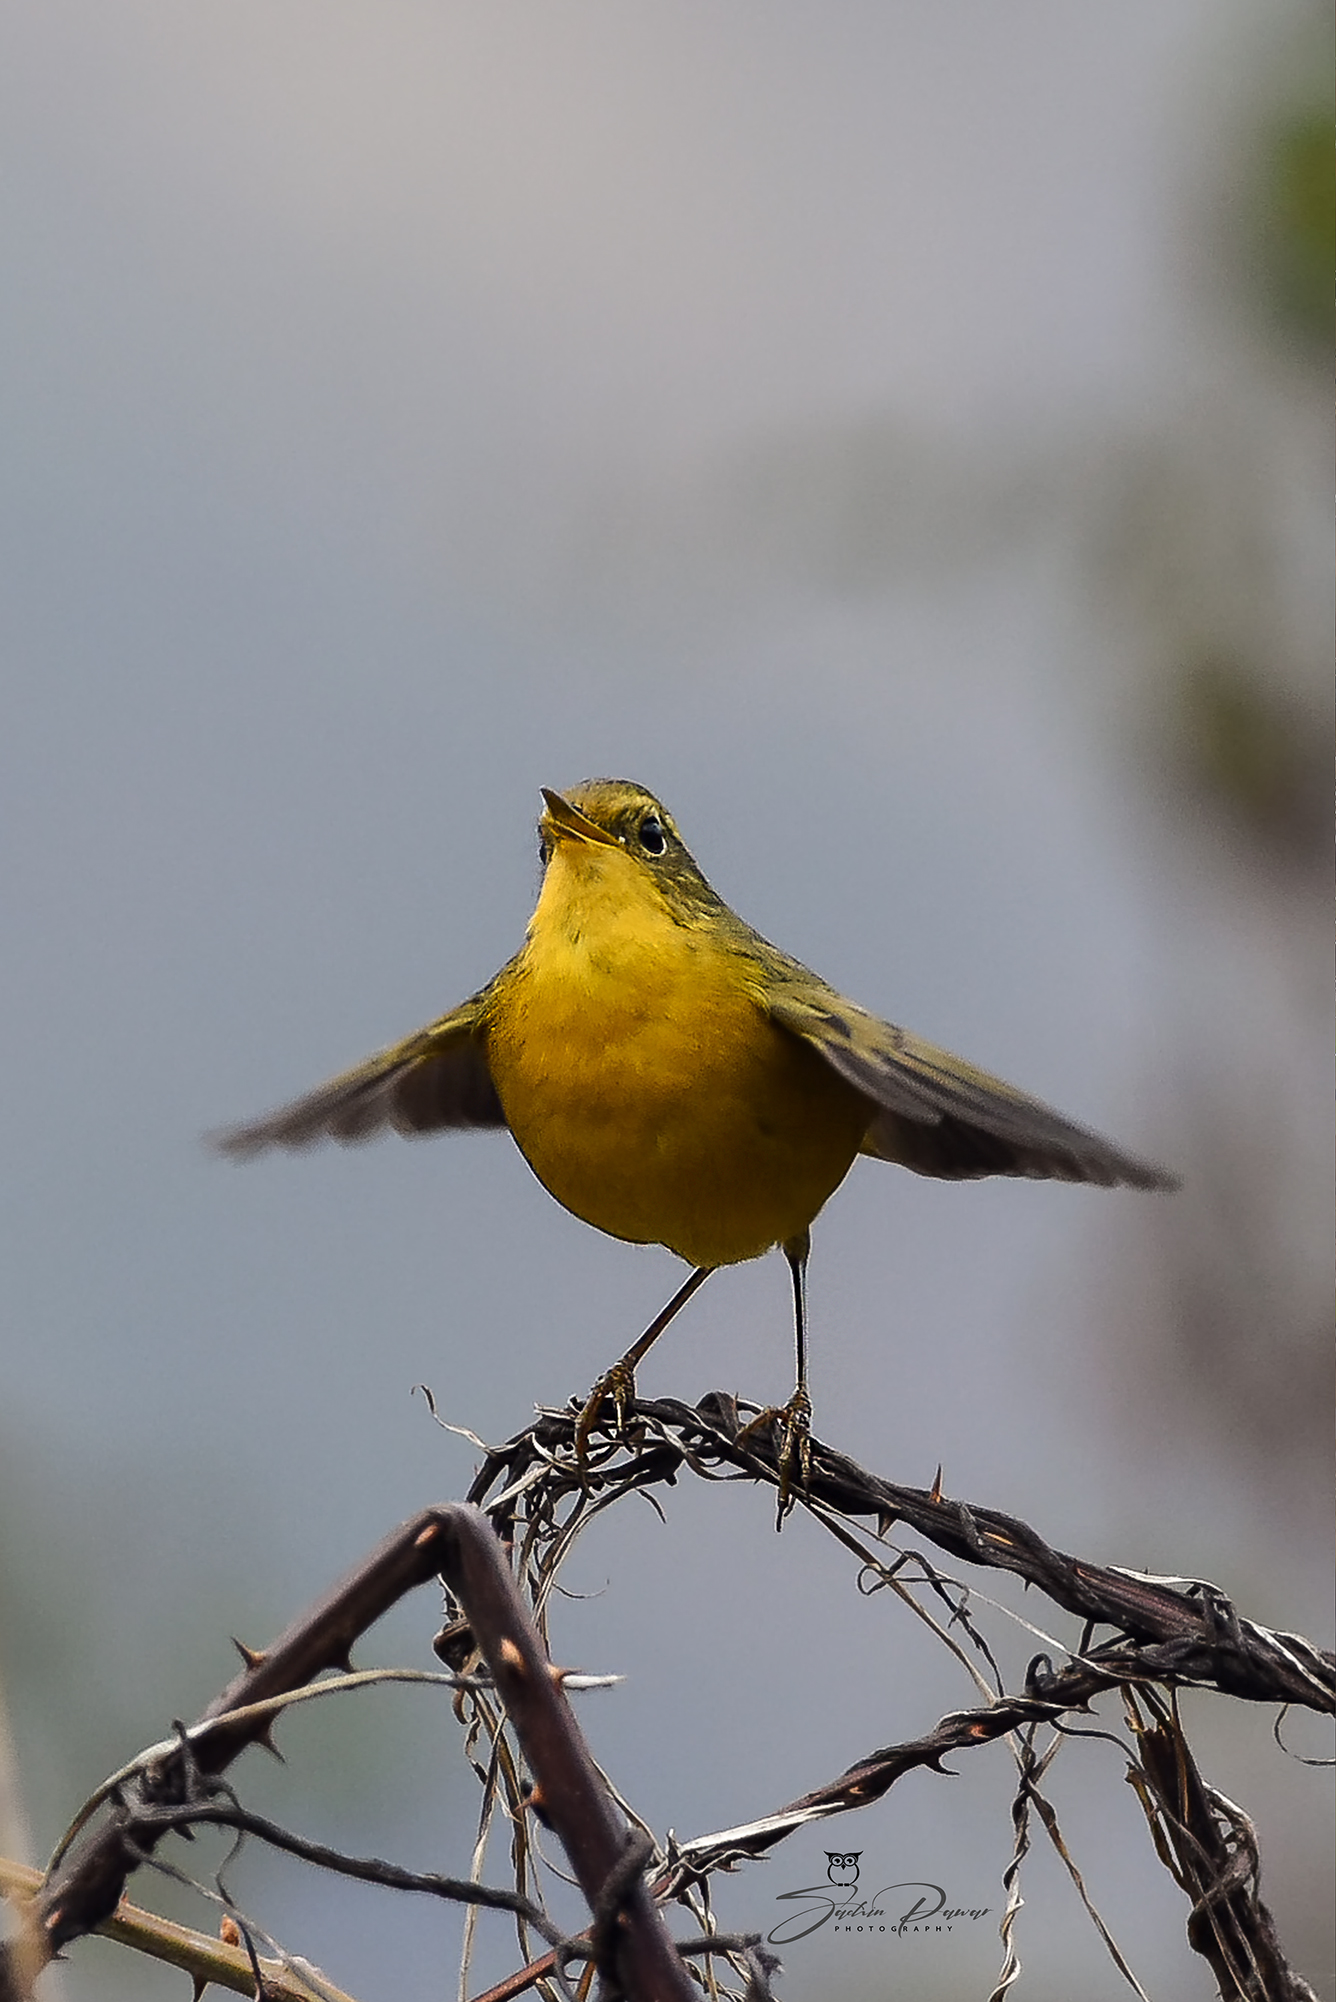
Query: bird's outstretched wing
point(438, 1077)
point(938, 1115)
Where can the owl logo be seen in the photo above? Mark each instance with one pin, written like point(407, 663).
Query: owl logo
point(842, 1867)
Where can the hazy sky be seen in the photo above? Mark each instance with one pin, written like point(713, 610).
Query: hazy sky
point(404, 407)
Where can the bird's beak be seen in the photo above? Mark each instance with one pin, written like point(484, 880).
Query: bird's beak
point(562, 821)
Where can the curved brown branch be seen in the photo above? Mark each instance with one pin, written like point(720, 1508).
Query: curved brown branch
point(457, 1543)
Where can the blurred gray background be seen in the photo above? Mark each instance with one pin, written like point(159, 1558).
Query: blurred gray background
point(900, 436)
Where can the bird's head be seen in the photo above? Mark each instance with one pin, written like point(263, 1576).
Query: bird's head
point(610, 835)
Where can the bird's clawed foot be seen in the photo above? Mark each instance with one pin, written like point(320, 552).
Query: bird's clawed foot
point(617, 1385)
point(793, 1421)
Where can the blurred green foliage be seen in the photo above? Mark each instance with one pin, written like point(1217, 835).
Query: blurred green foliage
point(1251, 748)
point(1296, 203)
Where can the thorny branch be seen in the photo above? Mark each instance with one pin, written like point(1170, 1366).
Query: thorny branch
point(1187, 1631)
point(1162, 1634)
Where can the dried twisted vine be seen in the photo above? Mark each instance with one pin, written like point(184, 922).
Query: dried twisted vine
point(539, 1493)
point(1170, 1630)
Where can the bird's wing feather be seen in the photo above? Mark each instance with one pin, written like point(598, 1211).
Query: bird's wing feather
point(938, 1115)
point(438, 1077)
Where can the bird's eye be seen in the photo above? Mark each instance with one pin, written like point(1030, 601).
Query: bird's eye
point(653, 839)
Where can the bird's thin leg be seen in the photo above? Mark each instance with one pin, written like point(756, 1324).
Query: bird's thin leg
point(796, 1251)
point(794, 1418)
point(795, 1446)
point(619, 1383)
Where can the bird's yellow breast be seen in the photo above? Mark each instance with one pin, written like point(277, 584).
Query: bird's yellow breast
point(644, 1080)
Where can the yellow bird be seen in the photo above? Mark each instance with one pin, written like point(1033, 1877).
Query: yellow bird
point(673, 1078)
